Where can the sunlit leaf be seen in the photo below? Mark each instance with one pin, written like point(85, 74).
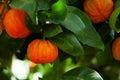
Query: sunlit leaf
point(58, 11)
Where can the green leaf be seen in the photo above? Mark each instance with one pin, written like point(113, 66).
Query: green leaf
point(78, 23)
point(43, 69)
point(8, 44)
point(28, 6)
point(59, 11)
point(89, 54)
point(56, 72)
point(69, 64)
point(52, 30)
point(113, 19)
point(82, 74)
point(105, 56)
point(68, 43)
point(58, 69)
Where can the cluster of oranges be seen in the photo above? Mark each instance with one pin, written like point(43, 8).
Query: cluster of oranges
point(13, 22)
point(43, 51)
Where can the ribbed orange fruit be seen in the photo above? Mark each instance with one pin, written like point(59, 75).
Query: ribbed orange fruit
point(98, 10)
point(14, 22)
point(116, 48)
point(42, 51)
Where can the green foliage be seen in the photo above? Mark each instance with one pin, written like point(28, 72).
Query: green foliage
point(84, 47)
point(52, 30)
point(80, 25)
point(59, 11)
point(68, 43)
point(6, 43)
point(114, 19)
point(82, 74)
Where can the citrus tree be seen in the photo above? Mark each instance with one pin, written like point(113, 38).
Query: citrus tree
point(61, 39)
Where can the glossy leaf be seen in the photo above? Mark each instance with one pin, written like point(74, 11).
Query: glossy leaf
point(82, 74)
point(52, 30)
point(78, 23)
point(28, 6)
point(68, 43)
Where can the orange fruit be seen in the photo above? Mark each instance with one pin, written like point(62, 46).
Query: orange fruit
point(14, 23)
point(42, 51)
point(98, 10)
point(116, 48)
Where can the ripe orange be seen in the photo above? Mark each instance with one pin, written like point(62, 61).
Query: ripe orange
point(14, 23)
point(116, 48)
point(98, 10)
point(42, 51)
